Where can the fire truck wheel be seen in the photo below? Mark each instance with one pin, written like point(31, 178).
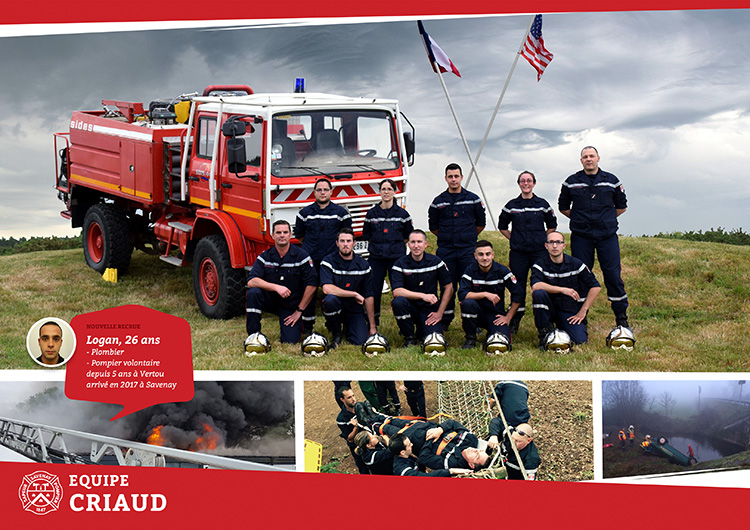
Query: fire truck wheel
point(219, 288)
point(106, 238)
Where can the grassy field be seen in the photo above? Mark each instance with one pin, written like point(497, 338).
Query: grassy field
point(689, 308)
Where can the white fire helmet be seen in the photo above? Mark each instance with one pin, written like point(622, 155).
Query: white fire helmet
point(558, 341)
point(315, 345)
point(434, 344)
point(621, 337)
point(257, 344)
point(375, 345)
point(496, 344)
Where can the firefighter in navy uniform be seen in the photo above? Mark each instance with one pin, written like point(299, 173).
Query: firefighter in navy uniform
point(532, 218)
point(593, 199)
point(514, 402)
point(456, 217)
point(347, 285)
point(282, 281)
point(387, 228)
point(416, 305)
point(317, 226)
point(523, 436)
point(482, 295)
point(373, 450)
point(451, 445)
point(564, 289)
point(404, 463)
point(347, 423)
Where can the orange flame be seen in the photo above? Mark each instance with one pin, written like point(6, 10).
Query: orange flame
point(156, 438)
point(208, 440)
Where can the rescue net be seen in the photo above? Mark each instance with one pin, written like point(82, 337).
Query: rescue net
point(468, 403)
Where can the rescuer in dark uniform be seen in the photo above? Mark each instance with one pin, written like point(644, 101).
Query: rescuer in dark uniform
point(373, 450)
point(482, 295)
point(415, 281)
point(404, 463)
point(347, 422)
point(415, 397)
point(456, 217)
point(347, 285)
point(387, 228)
point(563, 291)
point(523, 436)
point(514, 402)
point(316, 228)
point(532, 218)
point(282, 281)
point(451, 445)
point(593, 199)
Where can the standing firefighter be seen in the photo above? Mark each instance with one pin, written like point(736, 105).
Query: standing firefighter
point(532, 218)
point(456, 217)
point(593, 200)
point(317, 227)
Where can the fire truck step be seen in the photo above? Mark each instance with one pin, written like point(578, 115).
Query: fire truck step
point(173, 260)
point(181, 226)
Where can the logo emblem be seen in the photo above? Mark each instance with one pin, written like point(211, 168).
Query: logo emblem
point(40, 493)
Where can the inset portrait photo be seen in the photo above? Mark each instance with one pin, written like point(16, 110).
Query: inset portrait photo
point(51, 342)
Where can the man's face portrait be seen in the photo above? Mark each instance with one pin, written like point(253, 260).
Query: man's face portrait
point(50, 342)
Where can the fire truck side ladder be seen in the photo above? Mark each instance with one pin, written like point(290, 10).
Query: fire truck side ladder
point(48, 444)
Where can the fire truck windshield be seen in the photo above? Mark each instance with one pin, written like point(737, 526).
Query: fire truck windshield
point(333, 141)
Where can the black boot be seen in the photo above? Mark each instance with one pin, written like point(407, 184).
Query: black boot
point(543, 335)
point(515, 323)
point(621, 319)
point(336, 341)
point(470, 343)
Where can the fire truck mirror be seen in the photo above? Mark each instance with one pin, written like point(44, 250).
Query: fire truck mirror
point(409, 144)
point(236, 157)
point(233, 127)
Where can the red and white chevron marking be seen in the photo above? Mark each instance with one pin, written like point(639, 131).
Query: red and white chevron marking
point(339, 192)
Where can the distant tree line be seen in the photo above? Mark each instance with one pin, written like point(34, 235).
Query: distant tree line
point(732, 237)
point(35, 244)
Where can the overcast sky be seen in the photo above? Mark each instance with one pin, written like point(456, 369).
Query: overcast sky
point(663, 95)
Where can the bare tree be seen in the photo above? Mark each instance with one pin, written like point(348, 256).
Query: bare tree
point(667, 402)
point(624, 401)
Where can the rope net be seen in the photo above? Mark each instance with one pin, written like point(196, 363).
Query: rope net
point(467, 402)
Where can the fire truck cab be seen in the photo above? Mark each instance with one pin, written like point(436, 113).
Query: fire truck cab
point(201, 178)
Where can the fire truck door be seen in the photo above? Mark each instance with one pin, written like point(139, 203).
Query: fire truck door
point(242, 196)
point(127, 167)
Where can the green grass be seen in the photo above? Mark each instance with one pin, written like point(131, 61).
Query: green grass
point(689, 308)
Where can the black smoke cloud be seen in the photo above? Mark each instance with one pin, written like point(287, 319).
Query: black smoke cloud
point(248, 417)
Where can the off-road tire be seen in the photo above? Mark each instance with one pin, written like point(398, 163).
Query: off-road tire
point(692, 461)
point(219, 289)
point(106, 239)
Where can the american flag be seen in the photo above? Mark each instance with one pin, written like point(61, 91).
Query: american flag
point(534, 51)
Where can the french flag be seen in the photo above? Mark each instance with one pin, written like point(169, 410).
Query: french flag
point(435, 54)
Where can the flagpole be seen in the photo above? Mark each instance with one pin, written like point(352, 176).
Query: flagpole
point(499, 101)
point(466, 145)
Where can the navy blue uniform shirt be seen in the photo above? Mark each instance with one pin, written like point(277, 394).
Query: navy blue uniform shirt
point(319, 228)
point(496, 280)
point(572, 273)
point(353, 275)
point(456, 217)
point(593, 201)
point(294, 271)
point(420, 276)
point(531, 218)
point(386, 230)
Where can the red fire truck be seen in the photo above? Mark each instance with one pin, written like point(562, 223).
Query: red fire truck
point(201, 178)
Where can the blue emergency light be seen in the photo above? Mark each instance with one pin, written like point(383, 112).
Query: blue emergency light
point(299, 85)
